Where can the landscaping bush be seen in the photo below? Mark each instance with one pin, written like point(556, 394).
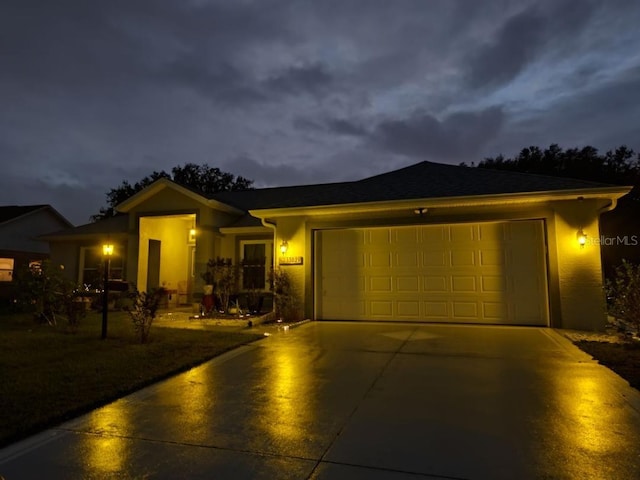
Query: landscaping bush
point(143, 312)
point(223, 275)
point(285, 298)
point(624, 294)
point(45, 292)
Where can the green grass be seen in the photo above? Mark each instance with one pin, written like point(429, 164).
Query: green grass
point(49, 375)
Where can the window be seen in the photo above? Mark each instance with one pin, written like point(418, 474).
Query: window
point(6, 269)
point(256, 264)
point(92, 266)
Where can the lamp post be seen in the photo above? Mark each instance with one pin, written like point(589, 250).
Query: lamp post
point(107, 251)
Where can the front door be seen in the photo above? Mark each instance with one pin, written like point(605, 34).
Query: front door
point(153, 265)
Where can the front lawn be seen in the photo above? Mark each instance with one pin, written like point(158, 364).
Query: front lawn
point(50, 375)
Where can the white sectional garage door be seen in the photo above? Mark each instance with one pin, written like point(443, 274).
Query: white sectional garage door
point(491, 273)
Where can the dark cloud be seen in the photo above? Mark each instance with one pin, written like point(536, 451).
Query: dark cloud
point(523, 38)
point(339, 126)
point(515, 45)
point(300, 79)
point(283, 92)
point(458, 136)
point(346, 127)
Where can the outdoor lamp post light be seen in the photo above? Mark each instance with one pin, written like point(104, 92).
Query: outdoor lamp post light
point(107, 251)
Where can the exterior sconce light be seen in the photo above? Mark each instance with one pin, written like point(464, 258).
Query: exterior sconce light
point(581, 237)
point(107, 251)
point(192, 235)
point(284, 246)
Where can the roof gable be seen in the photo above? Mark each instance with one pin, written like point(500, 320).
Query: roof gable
point(10, 213)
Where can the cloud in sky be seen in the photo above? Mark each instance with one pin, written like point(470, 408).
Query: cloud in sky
point(288, 92)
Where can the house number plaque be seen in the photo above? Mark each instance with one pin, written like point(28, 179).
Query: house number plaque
point(290, 260)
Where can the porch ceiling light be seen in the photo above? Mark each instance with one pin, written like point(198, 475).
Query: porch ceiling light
point(581, 237)
point(107, 249)
point(284, 246)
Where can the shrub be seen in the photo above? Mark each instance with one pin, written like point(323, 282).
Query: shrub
point(624, 294)
point(285, 298)
point(143, 312)
point(44, 291)
point(223, 275)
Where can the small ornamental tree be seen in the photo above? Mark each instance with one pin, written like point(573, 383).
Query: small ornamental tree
point(143, 312)
point(624, 294)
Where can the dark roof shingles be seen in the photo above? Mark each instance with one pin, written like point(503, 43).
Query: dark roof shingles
point(419, 181)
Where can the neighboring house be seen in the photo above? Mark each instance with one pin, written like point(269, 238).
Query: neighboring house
point(429, 242)
point(20, 227)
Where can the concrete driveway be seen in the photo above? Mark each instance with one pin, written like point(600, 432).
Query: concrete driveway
point(362, 401)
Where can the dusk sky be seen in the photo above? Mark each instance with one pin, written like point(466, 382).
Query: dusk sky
point(290, 92)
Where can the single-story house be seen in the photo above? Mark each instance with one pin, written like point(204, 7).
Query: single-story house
point(20, 245)
point(430, 242)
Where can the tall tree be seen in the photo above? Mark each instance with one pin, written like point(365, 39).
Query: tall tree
point(620, 166)
point(203, 178)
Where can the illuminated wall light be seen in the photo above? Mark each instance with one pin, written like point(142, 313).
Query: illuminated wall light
point(284, 246)
point(582, 238)
point(107, 249)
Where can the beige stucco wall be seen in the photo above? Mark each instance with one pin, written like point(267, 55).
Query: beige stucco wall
point(580, 298)
point(576, 297)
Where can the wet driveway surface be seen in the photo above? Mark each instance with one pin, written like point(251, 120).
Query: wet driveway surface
point(361, 401)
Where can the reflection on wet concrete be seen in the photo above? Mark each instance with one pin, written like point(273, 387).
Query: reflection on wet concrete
point(583, 431)
point(106, 450)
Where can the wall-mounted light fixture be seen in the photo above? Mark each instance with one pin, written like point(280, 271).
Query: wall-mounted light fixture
point(192, 235)
point(284, 246)
point(581, 237)
point(107, 249)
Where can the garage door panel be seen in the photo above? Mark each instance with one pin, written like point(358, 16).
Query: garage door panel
point(435, 283)
point(381, 308)
point(409, 309)
point(465, 310)
point(463, 233)
point(379, 259)
point(435, 258)
point(475, 273)
point(409, 284)
point(463, 258)
point(406, 259)
point(434, 234)
point(491, 258)
point(493, 284)
point(406, 237)
point(463, 284)
point(380, 284)
point(495, 312)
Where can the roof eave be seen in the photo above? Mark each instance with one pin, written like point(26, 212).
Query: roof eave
point(613, 193)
